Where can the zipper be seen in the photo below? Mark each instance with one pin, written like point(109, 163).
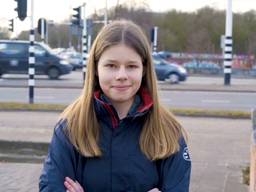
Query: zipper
point(111, 143)
point(114, 129)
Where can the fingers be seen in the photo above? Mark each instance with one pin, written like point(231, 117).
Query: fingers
point(72, 186)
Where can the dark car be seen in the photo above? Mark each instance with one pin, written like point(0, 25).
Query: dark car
point(14, 59)
point(169, 72)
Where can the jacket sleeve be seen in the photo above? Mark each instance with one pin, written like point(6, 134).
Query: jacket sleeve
point(60, 162)
point(175, 171)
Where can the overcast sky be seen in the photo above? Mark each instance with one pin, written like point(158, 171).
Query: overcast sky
point(59, 10)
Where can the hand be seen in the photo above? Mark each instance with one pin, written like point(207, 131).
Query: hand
point(72, 186)
point(154, 190)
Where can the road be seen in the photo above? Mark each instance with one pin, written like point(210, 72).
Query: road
point(74, 79)
point(175, 99)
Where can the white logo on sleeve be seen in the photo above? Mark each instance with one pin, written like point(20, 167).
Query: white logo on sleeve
point(186, 154)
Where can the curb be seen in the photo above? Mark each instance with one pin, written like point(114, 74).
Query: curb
point(23, 151)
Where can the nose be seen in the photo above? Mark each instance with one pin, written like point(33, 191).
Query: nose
point(121, 73)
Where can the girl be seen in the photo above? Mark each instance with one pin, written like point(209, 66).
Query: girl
point(117, 136)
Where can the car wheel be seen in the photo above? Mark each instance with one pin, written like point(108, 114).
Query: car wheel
point(53, 73)
point(173, 78)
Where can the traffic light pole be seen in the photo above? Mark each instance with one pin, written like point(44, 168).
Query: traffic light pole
point(228, 44)
point(106, 13)
point(42, 27)
point(154, 39)
point(31, 68)
point(84, 41)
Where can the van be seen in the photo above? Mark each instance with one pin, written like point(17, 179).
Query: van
point(14, 59)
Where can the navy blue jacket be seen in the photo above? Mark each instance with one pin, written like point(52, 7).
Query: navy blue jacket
point(123, 167)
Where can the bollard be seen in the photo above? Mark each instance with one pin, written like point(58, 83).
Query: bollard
point(253, 154)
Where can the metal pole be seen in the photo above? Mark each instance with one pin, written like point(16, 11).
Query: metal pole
point(31, 68)
point(70, 27)
point(253, 154)
point(89, 42)
point(84, 41)
point(253, 116)
point(155, 39)
point(106, 13)
point(47, 33)
point(228, 44)
point(42, 27)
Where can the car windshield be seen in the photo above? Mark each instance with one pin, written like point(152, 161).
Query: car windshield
point(49, 49)
point(159, 59)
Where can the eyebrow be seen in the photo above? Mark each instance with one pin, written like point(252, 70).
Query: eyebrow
point(115, 61)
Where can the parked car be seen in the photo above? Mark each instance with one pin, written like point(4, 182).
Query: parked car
point(169, 72)
point(202, 67)
point(74, 58)
point(166, 55)
point(14, 59)
point(253, 71)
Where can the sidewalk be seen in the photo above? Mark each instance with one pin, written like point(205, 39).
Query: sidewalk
point(219, 149)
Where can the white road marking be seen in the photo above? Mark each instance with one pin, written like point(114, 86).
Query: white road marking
point(165, 99)
point(45, 97)
point(215, 101)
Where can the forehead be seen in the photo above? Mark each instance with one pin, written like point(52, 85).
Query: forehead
point(120, 52)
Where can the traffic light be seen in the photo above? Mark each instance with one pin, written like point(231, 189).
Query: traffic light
point(21, 9)
point(77, 16)
point(11, 25)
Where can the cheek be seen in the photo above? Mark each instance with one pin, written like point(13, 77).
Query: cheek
point(137, 77)
point(104, 79)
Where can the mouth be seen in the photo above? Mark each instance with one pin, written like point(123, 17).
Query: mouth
point(121, 87)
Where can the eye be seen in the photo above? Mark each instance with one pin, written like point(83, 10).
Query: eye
point(110, 65)
point(132, 66)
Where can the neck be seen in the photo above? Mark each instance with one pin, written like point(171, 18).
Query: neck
point(122, 108)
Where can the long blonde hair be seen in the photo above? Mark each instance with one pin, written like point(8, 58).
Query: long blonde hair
point(161, 132)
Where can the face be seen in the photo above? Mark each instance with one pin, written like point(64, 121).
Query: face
point(120, 71)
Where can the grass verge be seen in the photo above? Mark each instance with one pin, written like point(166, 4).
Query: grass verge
point(246, 175)
point(212, 113)
point(30, 107)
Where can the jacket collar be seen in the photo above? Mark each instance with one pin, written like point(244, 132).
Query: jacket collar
point(142, 104)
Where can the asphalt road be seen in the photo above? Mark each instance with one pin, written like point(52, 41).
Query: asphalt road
point(75, 79)
point(175, 99)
